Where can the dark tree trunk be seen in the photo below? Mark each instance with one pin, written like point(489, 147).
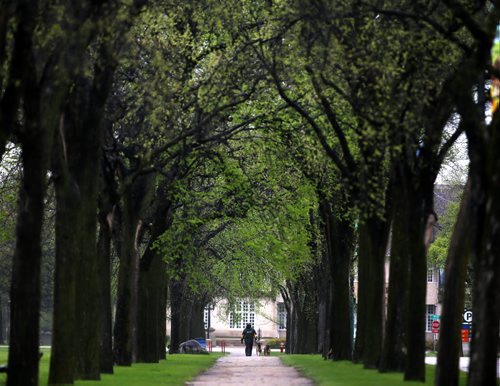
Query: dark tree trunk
point(1, 321)
point(197, 325)
point(152, 283)
point(339, 237)
point(84, 149)
point(340, 263)
point(485, 180)
point(162, 322)
point(151, 319)
point(420, 223)
point(373, 236)
point(323, 290)
point(25, 287)
point(176, 300)
point(104, 255)
point(393, 353)
point(304, 316)
point(77, 170)
point(62, 360)
point(135, 200)
point(36, 142)
point(454, 292)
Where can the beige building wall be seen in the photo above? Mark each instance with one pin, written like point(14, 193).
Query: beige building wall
point(263, 315)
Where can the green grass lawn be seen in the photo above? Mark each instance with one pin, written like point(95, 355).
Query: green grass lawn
point(176, 370)
point(348, 374)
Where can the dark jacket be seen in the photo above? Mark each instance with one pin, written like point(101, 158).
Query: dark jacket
point(248, 335)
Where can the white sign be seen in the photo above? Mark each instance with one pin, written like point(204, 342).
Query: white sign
point(468, 316)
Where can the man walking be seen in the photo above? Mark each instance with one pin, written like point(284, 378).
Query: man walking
point(248, 335)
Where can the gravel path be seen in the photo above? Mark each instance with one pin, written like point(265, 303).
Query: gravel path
point(237, 369)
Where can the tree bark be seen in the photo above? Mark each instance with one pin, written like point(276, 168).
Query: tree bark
point(393, 351)
point(454, 292)
point(373, 236)
point(421, 217)
point(134, 201)
point(63, 354)
point(104, 258)
point(151, 321)
point(485, 176)
point(176, 299)
point(25, 287)
point(152, 285)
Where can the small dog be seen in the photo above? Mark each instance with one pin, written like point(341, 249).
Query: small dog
point(258, 348)
point(267, 350)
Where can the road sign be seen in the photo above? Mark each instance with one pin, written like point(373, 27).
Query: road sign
point(465, 336)
point(435, 326)
point(467, 316)
point(466, 326)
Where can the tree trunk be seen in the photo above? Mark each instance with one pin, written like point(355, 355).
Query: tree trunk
point(1, 321)
point(393, 351)
point(342, 243)
point(373, 236)
point(485, 176)
point(152, 282)
point(104, 255)
point(25, 286)
point(339, 237)
point(135, 200)
point(63, 354)
point(419, 223)
point(304, 316)
point(151, 322)
point(454, 292)
point(176, 300)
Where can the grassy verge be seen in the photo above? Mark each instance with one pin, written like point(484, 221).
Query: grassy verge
point(348, 374)
point(176, 370)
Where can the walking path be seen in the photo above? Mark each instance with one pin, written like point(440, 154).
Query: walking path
point(238, 369)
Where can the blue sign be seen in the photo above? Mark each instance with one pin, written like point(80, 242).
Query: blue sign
point(466, 326)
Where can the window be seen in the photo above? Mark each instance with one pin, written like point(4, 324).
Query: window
point(281, 316)
point(431, 310)
point(430, 275)
point(243, 313)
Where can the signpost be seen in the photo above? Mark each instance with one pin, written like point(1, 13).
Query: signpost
point(435, 328)
point(466, 326)
point(467, 316)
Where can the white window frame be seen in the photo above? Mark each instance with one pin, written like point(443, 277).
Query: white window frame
point(282, 314)
point(430, 309)
point(245, 312)
point(430, 275)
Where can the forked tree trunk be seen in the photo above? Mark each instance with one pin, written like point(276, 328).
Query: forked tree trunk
point(454, 292)
point(134, 200)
